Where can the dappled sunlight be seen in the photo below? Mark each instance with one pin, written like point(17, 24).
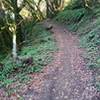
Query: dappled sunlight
point(67, 2)
point(25, 13)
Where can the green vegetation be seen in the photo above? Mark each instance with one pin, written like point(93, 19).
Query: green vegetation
point(35, 53)
point(84, 22)
point(15, 13)
point(25, 44)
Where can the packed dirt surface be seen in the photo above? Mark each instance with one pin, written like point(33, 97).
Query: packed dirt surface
point(69, 77)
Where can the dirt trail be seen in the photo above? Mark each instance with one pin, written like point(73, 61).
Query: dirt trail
point(71, 78)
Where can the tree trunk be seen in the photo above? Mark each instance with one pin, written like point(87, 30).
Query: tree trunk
point(14, 51)
point(62, 4)
point(47, 9)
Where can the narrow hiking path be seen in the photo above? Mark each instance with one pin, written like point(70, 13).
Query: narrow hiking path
point(70, 79)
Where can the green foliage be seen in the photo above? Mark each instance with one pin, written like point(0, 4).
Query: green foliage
point(92, 36)
point(72, 18)
point(5, 39)
point(98, 85)
point(1, 20)
point(2, 55)
point(75, 5)
point(88, 25)
point(13, 14)
point(40, 46)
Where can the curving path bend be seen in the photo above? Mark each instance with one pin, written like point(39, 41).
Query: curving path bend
point(71, 78)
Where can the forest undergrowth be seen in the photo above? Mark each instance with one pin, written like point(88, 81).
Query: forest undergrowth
point(34, 53)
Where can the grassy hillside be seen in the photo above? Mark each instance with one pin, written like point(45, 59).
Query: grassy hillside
point(86, 24)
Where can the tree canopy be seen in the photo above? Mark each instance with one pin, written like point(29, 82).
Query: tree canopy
point(13, 13)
